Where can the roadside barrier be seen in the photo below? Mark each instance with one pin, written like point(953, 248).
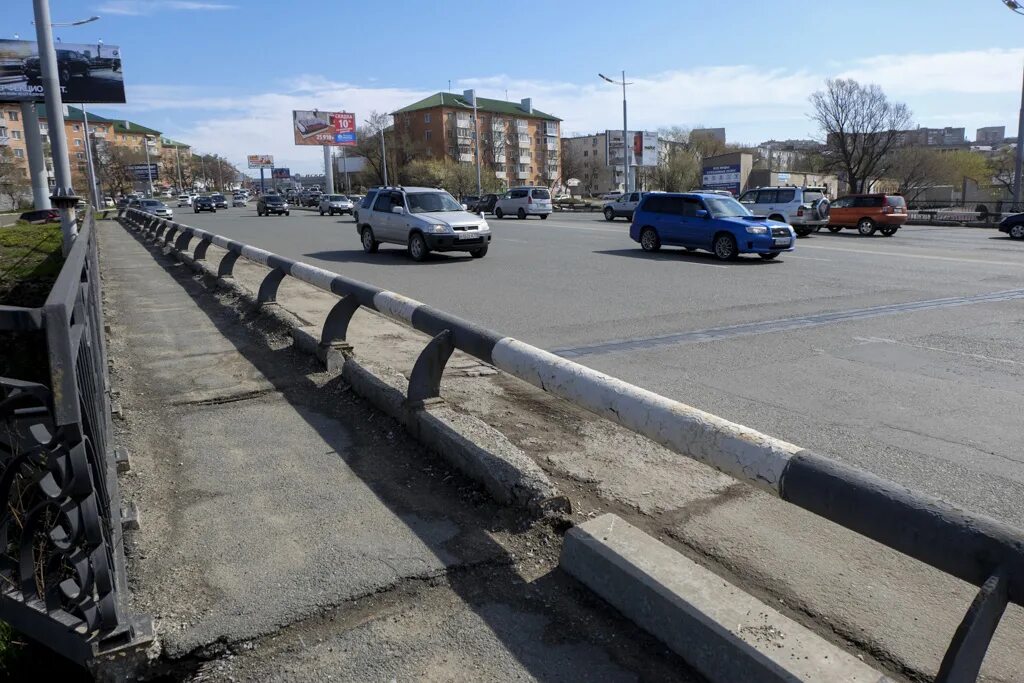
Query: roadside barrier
point(972, 547)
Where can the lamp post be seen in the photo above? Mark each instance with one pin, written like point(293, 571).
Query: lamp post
point(55, 115)
point(471, 96)
point(625, 149)
point(149, 167)
point(1018, 166)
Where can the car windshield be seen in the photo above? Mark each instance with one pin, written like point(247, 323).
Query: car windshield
point(151, 202)
point(725, 207)
point(273, 199)
point(432, 202)
point(541, 194)
point(338, 198)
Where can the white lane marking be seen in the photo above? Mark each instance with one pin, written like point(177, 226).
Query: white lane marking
point(920, 256)
point(736, 450)
point(513, 239)
point(395, 305)
point(624, 233)
point(979, 356)
point(805, 258)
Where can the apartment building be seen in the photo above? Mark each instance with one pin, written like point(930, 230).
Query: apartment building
point(12, 135)
point(585, 158)
point(174, 156)
point(518, 143)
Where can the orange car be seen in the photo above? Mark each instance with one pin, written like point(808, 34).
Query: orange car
point(868, 213)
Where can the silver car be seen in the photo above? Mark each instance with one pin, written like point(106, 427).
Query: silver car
point(155, 207)
point(422, 219)
point(336, 204)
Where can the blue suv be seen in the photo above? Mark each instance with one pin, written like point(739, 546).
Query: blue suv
point(716, 223)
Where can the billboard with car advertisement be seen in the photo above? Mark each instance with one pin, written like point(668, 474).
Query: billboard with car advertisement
point(643, 148)
point(324, 128)
point(260, 160)
point(722, 178)
point(88, 72)
point(281, 173)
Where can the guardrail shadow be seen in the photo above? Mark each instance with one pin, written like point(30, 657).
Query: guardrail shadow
point(394, 256)
point(698, 257)
point(574, 615)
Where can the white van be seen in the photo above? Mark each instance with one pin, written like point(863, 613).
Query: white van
point(524, 201)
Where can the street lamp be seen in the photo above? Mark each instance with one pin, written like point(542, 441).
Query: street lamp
point(625, 153)
point(77, 22)
point(149, 167)
point(1018, 166)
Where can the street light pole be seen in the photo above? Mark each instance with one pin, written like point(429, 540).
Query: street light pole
point(384, 156)
point(149, 166)
point(625, 130)
point(471, 96)
point(55, 117)
point(88, 159)
point(1018, 166)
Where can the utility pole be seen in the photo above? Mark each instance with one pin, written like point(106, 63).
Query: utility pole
point(328, 171)
point(149, 166)
point(471, 96)
point(177, 159)
point(55, 117)
point(36, 158)
point(344, 162)
point(88, 159)
point(625, 130)
point(1018, 167)
point(384, 156)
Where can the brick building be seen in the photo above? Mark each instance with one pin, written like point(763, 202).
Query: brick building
point(518, 143)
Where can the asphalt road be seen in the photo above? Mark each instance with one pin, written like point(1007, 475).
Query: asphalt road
point(903, 355)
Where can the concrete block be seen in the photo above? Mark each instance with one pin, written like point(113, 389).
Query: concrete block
point(122, 460)
point(130, 517)
point(725, 633)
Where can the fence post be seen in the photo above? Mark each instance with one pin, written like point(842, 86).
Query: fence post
point(425, 381)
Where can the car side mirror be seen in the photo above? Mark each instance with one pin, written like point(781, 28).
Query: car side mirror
point(398, 209)
point(701, 213)
point(465, 207)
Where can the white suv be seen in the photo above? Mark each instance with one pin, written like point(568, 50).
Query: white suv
point(805, 208)
point(524, 201)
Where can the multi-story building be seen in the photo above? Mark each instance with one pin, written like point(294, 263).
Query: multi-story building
point(174, 157)
point(585, 158)
point(948, 137)
point(990, 135)
point(12, 135)
point(518, 143)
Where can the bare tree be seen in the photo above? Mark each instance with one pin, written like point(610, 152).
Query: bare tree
point(1003, 169)
point(14, 185)
point(916, 169)
point(861, 127)
point(113, 165)
point(572, 164)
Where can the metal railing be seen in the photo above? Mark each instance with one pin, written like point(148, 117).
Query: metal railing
point(969, 546)
point(61, 553)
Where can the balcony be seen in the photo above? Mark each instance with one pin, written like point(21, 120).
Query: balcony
point(499, 174)
point(524, 141)
point(498, 126)
point(465, 156)
point(499, 158)
point(464, 133)
point(5, 140)
point(522, 126)
point(525, 159)
point(98, 133)
point(551, 146)
point(522, 175)
point(551, 129)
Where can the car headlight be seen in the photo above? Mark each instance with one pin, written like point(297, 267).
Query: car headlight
point(757, 230)
point(484, 226)
point(439, 227)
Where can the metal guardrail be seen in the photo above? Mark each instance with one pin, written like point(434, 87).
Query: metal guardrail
point(61, 553)
point(969, 546)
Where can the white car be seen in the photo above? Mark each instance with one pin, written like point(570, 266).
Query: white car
point(524, 201)
point(184, 200)
point(239, 200)
point(623, 206)
point(805, 208)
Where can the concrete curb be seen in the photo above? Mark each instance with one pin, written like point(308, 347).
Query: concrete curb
point(724, 633)
point(470, 445)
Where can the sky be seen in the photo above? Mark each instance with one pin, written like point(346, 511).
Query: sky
point(224, 75)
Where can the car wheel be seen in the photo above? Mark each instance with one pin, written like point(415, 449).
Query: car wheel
point(370, 245)
point(196, 211)
point(866, 227)
point(544, 216)
point(769, 257)
point(287, 213)
point(321, 212)
point(521, 214)
point(498, 213)
point(803, 231)
point(418, 247)
point(889, 232)
point(213, 210)
point(835, 228)
point(1017, 231)
point(609, 215)
point(649, 240)
point(725, 247)
point(479, 253)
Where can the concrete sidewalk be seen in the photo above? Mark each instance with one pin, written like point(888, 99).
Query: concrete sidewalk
point(290, 531)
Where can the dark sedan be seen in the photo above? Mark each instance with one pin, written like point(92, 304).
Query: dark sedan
point(203, 204)
point(1013, 226)
point(485, 204)
point(41, 216)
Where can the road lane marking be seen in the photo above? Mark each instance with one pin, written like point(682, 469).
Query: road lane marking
point(783, 325)
point(806, 258)
point(920, 256)
point(979, 356)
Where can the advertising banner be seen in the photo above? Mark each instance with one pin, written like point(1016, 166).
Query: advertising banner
point(260, 160)
point(88, 73)
point(643, 148)
point(281, 173)
point(324, 128)
point(722, 178)
point(143, 171)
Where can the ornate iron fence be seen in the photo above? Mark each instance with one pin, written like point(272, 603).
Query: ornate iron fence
point(62, 566)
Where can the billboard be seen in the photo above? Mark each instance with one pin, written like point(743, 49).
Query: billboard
point(324, 128)
point(144, 171)
point(643, 147)
point(722, 178)
point(88, 72)
point(281, 173)
point(260, 160)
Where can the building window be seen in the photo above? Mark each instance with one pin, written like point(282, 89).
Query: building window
point(426, 118)
point(16, 134)
point(12, 115)
point(76, 128)
point(19, 154)
point(124, 138)
point(428, 134)
point(78, 142)
point(80, 156)
point(584, 152)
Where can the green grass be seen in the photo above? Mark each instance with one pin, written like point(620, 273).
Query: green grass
point(30, 260)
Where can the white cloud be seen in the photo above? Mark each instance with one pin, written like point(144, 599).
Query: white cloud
point(143, 7)
point(753, 102)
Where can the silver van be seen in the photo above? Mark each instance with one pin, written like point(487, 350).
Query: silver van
point(524, 201)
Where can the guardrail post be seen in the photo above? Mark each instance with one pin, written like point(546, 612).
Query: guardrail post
point(425, 381)
point(227, 264)
point(268, 288)
point(169, 231)
point(160, 227)
point(967, 650)
point(336, 326)
point(181, 243)
point(200, 253)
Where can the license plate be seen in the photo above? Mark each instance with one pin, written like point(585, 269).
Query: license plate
point(781, 241)
point(468, 235)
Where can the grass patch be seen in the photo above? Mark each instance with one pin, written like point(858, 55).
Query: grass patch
point(30, 259)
